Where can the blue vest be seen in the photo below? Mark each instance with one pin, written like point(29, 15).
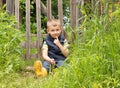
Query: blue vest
point(53, 50)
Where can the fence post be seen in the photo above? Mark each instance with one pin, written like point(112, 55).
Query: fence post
point(1, 3)
point(10, 7)
point(60, 11)
point(17, 13)
point(73, 17)
point(49, 11)
point(38, 18)
point(27, 29)
point(73, 13)
point(78, 14)
point(60, 14)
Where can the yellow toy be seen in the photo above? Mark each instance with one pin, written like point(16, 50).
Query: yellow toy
point(39, 70)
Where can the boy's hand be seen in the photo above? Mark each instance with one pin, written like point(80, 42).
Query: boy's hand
point(56, 41)
point(52, 61)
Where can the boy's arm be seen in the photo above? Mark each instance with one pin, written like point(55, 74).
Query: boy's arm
point(63, 48)
point(45, 54)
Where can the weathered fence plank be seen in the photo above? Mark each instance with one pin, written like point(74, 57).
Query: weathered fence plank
point(49, 10)
point(78, 14)
point(10, 6)
point(73, 13)
point(1, 3)
point(32, 45)
point(27, 29)
point(17, 13)
point(60, 11)
point(43, 8)
point(38, 18)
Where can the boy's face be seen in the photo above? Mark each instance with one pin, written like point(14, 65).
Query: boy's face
point(54, 31)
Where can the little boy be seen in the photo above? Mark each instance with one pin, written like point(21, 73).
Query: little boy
point(55, 47)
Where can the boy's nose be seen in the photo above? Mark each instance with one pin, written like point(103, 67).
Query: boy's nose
point(55, 31)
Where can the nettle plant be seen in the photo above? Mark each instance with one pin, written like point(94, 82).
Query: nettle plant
point(9, 44)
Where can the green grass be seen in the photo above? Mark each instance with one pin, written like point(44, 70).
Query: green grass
point(93, 62)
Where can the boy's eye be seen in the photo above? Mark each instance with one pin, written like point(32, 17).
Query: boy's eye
point(57, 29)
point(52, 30)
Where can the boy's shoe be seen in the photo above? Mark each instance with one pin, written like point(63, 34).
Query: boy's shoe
point(39, 70)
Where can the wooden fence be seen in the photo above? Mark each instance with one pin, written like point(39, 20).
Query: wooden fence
point(12, 7)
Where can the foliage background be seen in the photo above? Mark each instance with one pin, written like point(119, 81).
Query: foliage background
point(10, 50)
point(93, 62)
point(43, 17)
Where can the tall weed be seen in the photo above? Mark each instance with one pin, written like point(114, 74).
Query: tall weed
point(94, 60)
point(9, 45)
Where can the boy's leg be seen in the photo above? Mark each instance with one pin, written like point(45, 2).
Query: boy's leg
point(59, 63)
point(46, 65)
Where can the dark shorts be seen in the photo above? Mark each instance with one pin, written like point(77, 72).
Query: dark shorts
point(48, 66)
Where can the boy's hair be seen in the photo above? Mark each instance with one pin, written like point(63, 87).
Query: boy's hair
point(53, 22)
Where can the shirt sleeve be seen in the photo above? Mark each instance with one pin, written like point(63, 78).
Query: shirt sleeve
point(66, 43)
point(45, 46)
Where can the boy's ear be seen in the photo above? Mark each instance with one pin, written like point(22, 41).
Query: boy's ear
point(47, 30)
